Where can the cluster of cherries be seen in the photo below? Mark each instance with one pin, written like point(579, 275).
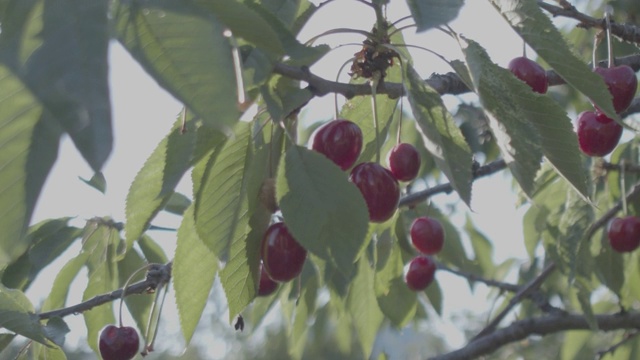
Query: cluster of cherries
point(598, 134)
point(427, 236)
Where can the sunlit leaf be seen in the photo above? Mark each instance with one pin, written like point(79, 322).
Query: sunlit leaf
point(17, 315)
point(194, 269)
point(305, 308)
point(323, 211)
point(139, 306)
point(102, 280)
point(62, 283)
point(441, 135)
point(363, 306)
point(397, 302)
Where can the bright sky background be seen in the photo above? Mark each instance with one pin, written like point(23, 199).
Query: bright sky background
point(143, 114)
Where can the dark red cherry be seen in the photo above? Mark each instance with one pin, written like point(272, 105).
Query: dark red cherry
point(118, 343)
point(420, 273)
point(404, 162)
point(340, 140)
point(282, 256)
point(379, 188)
point(624, 233)
point(622, 83)
point(530, 72)
point(598, 134)
point(266, 286)
point(427, 235)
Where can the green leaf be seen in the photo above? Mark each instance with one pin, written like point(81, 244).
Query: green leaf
point(631, 287)
point(153, 186)
point(42, 352)
point(194, 269)
point(537, 30)
point(16, 314)
point(482, 248)
point(574, 343)
point(20, 113)
point(5, 340)
point(396, 300)
point(151, 250)
point(244, 22)
point(284, 10)
point(323, 211)
point(609, 266)
point(573, 249)
point(431, 13)
point(68, 71)
point(499, 93)
point(177, 203)
point(441, 135)
point(434, 293)
point(139, 306)
point(305, 309)
point(584, 298)
point(102, 280)
point(62, 283)
point(97, 182)
point(363, 306)
point(56, 330)
point(186, 52)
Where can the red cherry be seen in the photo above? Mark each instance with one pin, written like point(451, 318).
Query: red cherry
point(427, 235)
point(420, 273)
point(624, 233)
point(622, 83)
point(339, 140)
point(118, 343)
point(530, 72)
point(404, 162)
point(598, 134)
point(266, 286)
point(282, 256)
point(379, 188)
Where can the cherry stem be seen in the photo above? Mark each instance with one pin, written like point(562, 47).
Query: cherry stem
point(623, 187)
point(399, 135)
point(237, 67)
point(374, 105)
point(393, 24)
point(608, 10)
point(335, 95)
point(401, 28)
point(367, 34)
point(124, 290)
point(149, 346)
point(524, 48)
point(594, 58)
point(183, 127)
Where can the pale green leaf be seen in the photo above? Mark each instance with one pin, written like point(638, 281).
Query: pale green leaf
point(177, 203)
point(441, 135)
point(323, 211)
point(609, 266)
point(194, 269)
point(517, 137)
point(305, 309)
point(56, 330)
point(102, 280)
point(97, 182)
point(482, 248)
point(17, 315)
point(186, 53)
point(153, 185)
point(573, 249)
point(397, 302)
point(363, 306)
point(152, 251)
point(535, 27)
point(431, 13)
point(574, 344)
point(62, 283)
point(139, 306)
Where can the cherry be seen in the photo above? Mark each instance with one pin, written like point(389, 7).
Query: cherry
point(420, 273)
point(530, 72)
point(404, 162)
point(266, 286)
point(624, 233)
point(340, 140)
point(118, 343)
point(622, 83)
point(598, 134)
point(282, 256)
point(427, 235)
point(379, 188)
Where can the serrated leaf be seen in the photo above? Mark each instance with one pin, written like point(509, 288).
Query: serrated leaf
point(441, 135)
point(67, 69)
point(153, 185)
point(363, 306)
point(573, 249)
point(244, 22)
point(517, 137)
point(20, 154)
point(323, 211)
point(62, 283)
point(431, 13)
point(102, 280)
point(97, 182)
point(193, 272)
point(535, 27)
point(186, 52)
point(17, 315)
point(397, 302)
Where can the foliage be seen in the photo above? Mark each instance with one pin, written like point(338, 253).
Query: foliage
point(232, 60)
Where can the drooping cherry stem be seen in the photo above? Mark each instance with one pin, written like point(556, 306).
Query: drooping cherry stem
point(124, 288)
point(524, 48)
point(374, 105)
point(335, 95)
point(623, 187)
point(608, 10)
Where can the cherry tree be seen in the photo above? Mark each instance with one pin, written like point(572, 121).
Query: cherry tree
point(346, 209)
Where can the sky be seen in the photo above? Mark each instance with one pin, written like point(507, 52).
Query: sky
point(143, 114)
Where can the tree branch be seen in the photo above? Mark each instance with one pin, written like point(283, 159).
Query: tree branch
point(543, 325)
point(158, 275)
point(504, 286)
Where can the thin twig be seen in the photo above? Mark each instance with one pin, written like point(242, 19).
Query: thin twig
point(610, 350)
point(475, 278)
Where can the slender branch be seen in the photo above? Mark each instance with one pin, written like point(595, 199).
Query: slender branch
point(158, 275)
point(610, 350)
point(524, 292)
point(475, 278)
point(414, 198)
point(543, 325)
